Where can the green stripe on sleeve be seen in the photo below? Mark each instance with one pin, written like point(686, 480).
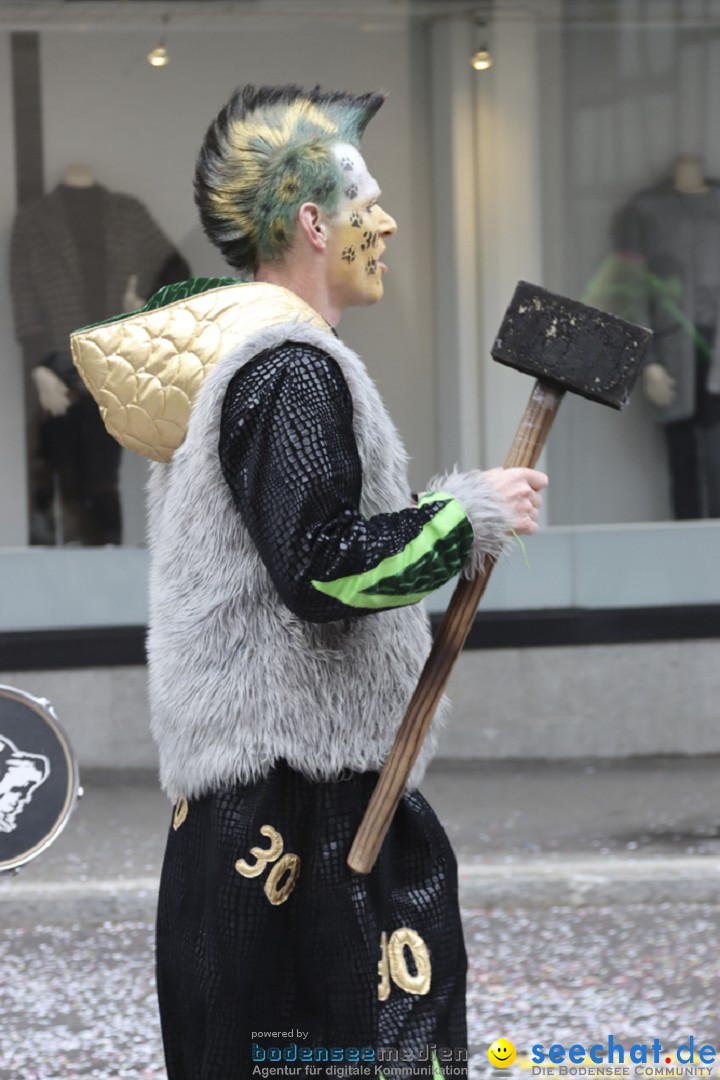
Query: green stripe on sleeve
point(426, 562)
point(433, 569)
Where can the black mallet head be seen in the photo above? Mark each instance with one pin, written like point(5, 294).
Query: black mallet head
point(571, 346)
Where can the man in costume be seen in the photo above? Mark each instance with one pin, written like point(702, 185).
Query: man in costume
point(288, 562)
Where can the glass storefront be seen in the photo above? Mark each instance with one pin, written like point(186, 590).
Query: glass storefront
point(586, 159)
point(638, 179)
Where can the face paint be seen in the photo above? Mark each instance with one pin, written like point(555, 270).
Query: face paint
point(356, 235)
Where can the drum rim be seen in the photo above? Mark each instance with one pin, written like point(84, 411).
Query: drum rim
point(46, 710)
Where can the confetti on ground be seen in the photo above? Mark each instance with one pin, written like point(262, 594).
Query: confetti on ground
point(79, 1001)
point(576, 975)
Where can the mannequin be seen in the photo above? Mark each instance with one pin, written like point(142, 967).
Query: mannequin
point(78, 255)
point(53, 393)
point(688, 179)
point(669, 237)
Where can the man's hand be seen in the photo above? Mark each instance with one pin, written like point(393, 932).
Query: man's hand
point(658, 385)
point(52, 392)
point(520, 490)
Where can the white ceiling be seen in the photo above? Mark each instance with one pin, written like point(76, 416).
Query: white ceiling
point(366, 14)
point(215, 14)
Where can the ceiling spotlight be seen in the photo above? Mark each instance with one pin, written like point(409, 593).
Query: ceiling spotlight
point(158, 57)
point(482, 60)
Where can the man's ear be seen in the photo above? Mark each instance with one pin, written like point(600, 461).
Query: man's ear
point(311, 226)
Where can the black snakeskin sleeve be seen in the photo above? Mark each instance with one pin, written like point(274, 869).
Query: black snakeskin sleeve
point(288, 452)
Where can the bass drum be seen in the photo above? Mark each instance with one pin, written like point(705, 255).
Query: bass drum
point(39, 781)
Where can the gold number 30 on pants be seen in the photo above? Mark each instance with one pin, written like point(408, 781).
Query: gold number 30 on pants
point(289, 863)
point(394, 966)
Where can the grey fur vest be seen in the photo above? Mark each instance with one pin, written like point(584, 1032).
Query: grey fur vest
point(237, 682)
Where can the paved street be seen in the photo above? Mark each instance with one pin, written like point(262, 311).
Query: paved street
point(79, 1002)
point(590, 895)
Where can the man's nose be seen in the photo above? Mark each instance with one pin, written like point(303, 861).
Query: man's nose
point(388, 225)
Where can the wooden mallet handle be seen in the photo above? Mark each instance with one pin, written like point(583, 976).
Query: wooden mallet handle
point(525, 451)
point(565, 345)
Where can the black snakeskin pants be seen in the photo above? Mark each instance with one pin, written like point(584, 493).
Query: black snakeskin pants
point(274, 959)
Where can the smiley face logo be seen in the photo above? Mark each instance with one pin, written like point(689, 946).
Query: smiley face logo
point(501, 1053)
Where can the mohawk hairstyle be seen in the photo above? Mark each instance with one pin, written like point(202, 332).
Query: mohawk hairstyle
point(267, 152)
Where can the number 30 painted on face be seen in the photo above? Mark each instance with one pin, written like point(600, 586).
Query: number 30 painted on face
point(276, 893)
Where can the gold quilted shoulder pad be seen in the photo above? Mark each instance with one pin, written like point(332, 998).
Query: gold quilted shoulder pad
point(144, 370)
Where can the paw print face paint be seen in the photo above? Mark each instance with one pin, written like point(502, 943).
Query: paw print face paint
point(357, 280)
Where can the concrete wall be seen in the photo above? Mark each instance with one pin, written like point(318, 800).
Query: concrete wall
point(549, 703)
point(103, 711)
point(578, 701)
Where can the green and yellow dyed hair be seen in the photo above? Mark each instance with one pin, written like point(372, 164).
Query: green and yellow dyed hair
point(269, 151)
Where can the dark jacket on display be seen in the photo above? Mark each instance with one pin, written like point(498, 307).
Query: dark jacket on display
point(46, 277)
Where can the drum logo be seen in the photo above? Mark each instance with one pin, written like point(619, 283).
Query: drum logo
point(21, 774)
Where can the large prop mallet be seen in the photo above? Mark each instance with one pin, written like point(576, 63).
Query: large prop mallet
point(566, 346)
